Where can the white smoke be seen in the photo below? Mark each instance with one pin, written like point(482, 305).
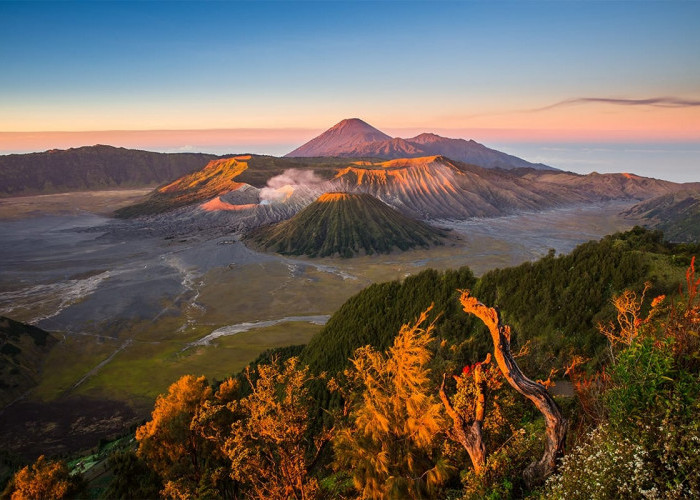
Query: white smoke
point(280, 187)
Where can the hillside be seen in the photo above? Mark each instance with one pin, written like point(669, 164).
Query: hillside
point(92, 167)
point(353, 138)
point(676, 214)
point(22, 350)
point(345, 224)
point(555, 302)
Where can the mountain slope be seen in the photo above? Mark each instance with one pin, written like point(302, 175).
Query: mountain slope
point(471, 152)
point(92, 167)
point(356, 139)
point(22, 350)
point(227, 177)
point(340, 138)
point(345, 224)
point(250, 191)
point(214, 179)
point(436, 187)
point(676, 214)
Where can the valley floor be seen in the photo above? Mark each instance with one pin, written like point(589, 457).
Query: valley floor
point(133, 311)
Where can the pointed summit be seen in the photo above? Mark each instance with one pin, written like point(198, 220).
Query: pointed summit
point(342, 137)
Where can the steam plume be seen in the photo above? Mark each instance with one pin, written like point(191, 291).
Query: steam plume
point(280, 187)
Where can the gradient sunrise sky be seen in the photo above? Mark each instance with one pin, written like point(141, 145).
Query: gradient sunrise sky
point(554, 80)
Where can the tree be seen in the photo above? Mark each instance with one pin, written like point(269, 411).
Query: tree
point(132, 478)
point(391, 443)
point(44, 480)
point(271, 448)
point(468, 421)
point(180, 442)
point(537, 393)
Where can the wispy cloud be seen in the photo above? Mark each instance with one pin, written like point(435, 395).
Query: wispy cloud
point(659, 102)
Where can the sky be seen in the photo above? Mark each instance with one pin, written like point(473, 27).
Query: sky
point(562, 81)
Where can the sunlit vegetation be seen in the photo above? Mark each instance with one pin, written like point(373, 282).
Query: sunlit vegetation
point(439, 406)
point(392, 440)
point(43, 480)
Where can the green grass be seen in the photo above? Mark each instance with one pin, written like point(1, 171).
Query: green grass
point(146, 370)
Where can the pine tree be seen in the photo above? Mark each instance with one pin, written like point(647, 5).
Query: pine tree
point(396, 422)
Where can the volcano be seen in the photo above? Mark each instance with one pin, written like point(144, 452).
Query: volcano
point(345, 224)
point(354, 138)
point(340, 139)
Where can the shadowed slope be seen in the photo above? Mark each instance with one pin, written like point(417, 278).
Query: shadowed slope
point(676, 214)
point(92, 167)
point(22, 351)
point(345, 224)
point(471, 152)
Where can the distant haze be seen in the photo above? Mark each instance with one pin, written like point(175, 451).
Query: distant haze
point(671, 160)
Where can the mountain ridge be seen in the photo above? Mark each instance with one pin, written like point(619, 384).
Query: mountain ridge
point(354, 138)
point(433, 187)
point(92, 167)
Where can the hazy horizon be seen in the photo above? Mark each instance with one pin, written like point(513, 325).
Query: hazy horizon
point(531, 77)
point(676, 161)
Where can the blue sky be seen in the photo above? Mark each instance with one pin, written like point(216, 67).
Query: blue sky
point(454, 66)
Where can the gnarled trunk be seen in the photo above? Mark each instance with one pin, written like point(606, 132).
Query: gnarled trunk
point(470, 436)
point(555, 423)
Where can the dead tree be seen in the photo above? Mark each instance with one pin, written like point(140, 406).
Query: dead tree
point(470, 435)
point(555, 423)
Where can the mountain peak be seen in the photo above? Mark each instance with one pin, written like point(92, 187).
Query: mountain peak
point(354, 124)
point(343, 136)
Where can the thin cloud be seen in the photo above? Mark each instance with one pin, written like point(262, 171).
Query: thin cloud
point(659, 102)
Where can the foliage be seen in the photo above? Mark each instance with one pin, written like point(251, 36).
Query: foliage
point(556, 303)
point(179, 442)
point(648, 444)
point(269, 446)
point(502, 478)
point(502, 406)
point(391, 443)
point(263, 434)
point(373, 316)
point(132, 478)
point(43, 480)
